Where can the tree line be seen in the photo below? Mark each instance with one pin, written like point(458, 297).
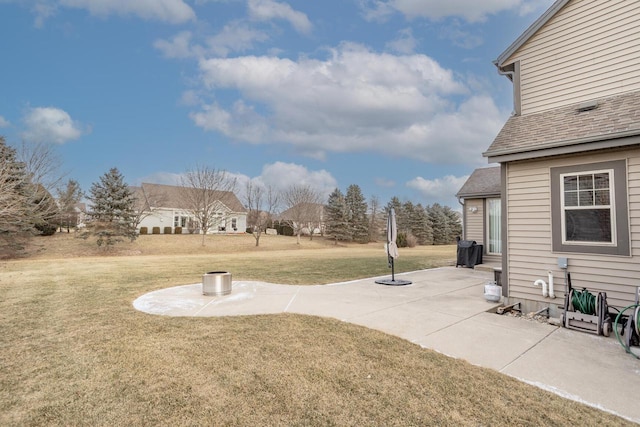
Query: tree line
point(350, 218)
point(28, 179)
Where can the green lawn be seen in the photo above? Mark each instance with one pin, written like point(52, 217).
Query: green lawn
point(73, 351)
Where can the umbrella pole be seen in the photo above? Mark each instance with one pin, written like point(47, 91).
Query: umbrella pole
point(393, 274)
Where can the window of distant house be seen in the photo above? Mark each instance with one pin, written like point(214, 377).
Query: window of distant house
point(589, 208)
point(180, 221)
point(234, 223)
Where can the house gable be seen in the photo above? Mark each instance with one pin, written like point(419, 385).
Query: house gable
point(579, 50)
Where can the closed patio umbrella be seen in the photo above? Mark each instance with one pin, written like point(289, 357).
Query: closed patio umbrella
point(392, 250)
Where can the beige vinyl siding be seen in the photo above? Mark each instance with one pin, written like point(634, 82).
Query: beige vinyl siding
point(529, 243)
point(474, 220)
point(589, 50)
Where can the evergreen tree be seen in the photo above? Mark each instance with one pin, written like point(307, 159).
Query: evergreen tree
point(68, 198)
point(18, 216)
point(406, 221)
point(420, 226)
point(439, 224)
point(112, 210)
point(397, 207)
point(454, 225)
point(357, 214)
point(337, 218)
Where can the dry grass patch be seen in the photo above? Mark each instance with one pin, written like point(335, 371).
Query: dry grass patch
point(73, 351)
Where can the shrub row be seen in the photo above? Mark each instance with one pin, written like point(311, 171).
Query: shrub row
point(406, 240)
point(156, 230)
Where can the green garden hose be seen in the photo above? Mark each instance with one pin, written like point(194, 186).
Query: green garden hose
point(584, 302)
point(636, 326)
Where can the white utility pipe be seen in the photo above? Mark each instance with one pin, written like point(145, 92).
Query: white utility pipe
point(547, 289)
point(542, 283)
point(551, 294)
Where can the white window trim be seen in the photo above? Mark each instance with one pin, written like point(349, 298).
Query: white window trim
point(611, 206)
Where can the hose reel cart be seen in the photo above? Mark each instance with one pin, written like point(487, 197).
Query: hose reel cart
point(586, 312)
point(630, 326)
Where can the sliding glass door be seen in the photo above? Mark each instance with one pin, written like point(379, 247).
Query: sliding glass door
point(494, 225)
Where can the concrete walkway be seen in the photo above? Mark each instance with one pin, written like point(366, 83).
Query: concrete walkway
point(443, 309)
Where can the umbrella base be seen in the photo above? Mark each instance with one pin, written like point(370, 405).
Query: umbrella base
point(392, 282)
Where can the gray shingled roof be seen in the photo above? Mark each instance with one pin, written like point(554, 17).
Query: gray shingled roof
point(614, 117)
point(168, 196)
point(482, 182)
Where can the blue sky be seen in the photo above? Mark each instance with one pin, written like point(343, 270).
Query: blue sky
point(397, 96)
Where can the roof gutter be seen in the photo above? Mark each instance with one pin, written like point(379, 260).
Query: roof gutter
point(592, 143)
point(510, 74)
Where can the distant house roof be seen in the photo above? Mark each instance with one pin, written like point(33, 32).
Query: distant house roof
point(608, 119)
point(482, 182)
point(169, 196)
point(315, 209)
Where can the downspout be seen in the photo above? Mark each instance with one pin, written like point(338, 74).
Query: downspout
point(512, 71)
point(511, 75)
point(464, 218)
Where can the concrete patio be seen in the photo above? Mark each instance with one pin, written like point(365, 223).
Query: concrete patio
point(443, 309)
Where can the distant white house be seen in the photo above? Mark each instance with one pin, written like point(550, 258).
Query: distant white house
point(163, 207)
point(305, 216)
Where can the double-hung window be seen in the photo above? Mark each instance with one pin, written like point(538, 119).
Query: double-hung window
point(589, 211)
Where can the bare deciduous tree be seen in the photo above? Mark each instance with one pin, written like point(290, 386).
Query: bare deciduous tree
point(42, 164)
point(375, 218)
point(147, 201)
point(261, 202)
point(25, 205)
point(304, 208)
point(203, 189)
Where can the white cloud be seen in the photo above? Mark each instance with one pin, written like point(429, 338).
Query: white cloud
point(48, 124)
point(190, 98)
point(241, 122)
point(178, 47)
point(266, 10)
point(459, 37)
point(375, 10)
point(235, 37)
point(171, 11)
point(43, 10)
point(469, 10)
point(353, 101)
point(282, 175)
point(165, 178)
point(439, 190)
point(405, 43)
point(4, 122)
